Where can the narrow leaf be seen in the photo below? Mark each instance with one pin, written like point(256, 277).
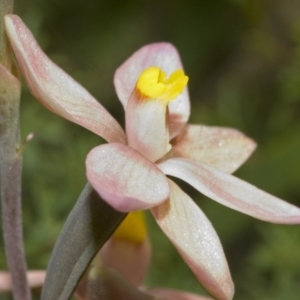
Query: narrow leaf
point(89, 225)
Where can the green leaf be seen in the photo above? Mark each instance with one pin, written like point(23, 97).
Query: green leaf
point(89, 225)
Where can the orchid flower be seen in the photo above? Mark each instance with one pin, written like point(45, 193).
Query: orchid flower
point(130, 171)
point(128, 253)
point(35, 279)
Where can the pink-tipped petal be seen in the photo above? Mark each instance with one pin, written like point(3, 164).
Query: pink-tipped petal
point(223, 148)
point(126, 179)
point(146, 127)
point(131, 260)
point(166, 57)
point(55, 89)
point(232, 192)
point(170, 294)
point(106, 284)
point(196, 240)
point(35, 280)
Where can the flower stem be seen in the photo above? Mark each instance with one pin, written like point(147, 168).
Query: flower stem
point(6, 7)
point(11, 165)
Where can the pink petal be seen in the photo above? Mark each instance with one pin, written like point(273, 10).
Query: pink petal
point(35, 280)
point(55, 89)
point(196, 240)
point(225, 149)
point(126, 179)
point(166, 57)
point(131, 260)
point(170, 294)
point(232, 192)
point(106, 284)
point(146, 127)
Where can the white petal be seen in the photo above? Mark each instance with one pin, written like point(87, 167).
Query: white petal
point(196, 240)
point(124, 178)
point(55, 89)
point(35, 279)
point(170, 294)
point(232, 192)
point(146, 127)
point(106, 284)
point(131, 260)
point(223, 148)
point(165, 56)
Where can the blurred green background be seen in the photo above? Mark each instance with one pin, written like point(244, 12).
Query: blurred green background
point(243, 60)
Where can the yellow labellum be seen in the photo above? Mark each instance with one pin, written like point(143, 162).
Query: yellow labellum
point(132, 229)
point(154, 84)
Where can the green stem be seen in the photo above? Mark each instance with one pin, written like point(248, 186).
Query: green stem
point(11, 165)
point(6, 7)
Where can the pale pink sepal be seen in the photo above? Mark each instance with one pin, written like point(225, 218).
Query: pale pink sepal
point(223, 148)
point(170, 294)
point(35, 280)
point(126, 179)
point(146, 127)
point(99, 283)
point(196, 240)
point(165, 56)
point(55, 89)
point(131, 260)
point(232, 192)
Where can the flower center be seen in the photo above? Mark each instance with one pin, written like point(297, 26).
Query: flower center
point(154, 84)
point(132, 229)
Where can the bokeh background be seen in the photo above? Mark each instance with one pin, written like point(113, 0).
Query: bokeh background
point(243, 60)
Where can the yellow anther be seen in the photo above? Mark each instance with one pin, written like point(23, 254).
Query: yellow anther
point(153, 84)
point(132, 229)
